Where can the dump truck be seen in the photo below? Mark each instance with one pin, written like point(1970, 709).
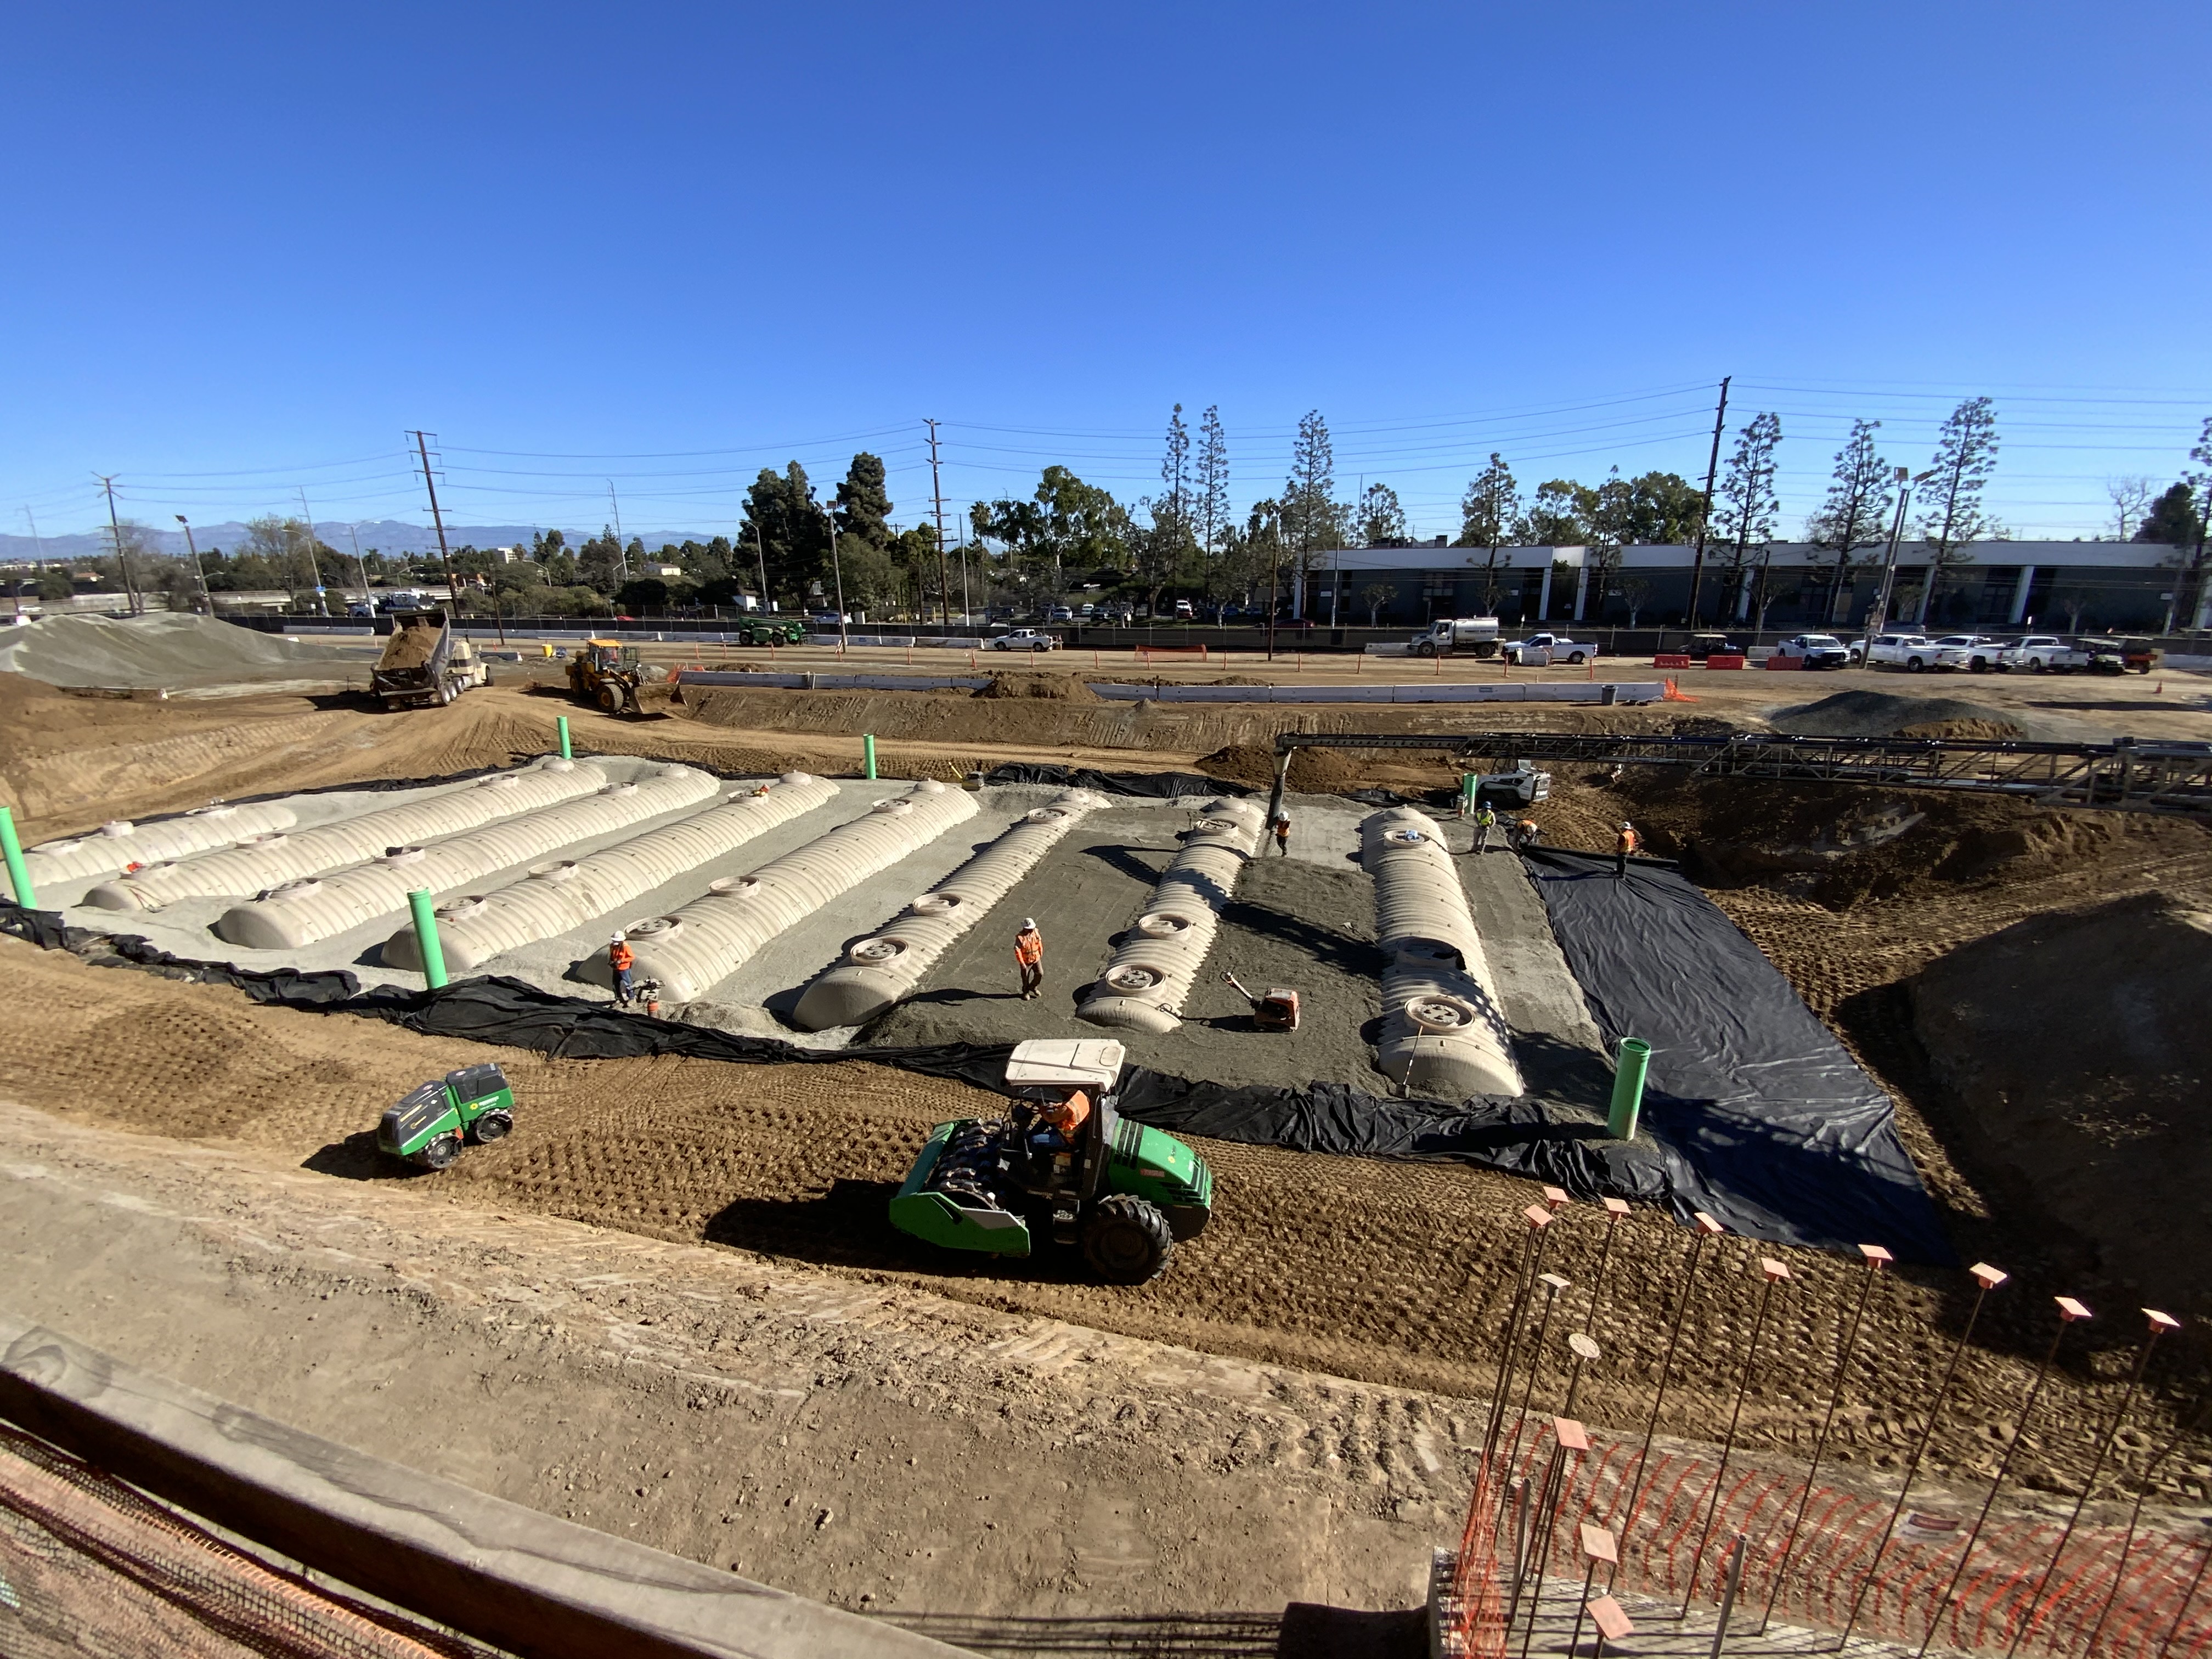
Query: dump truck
point(1125, 1192)
point(425, 664)
point(432, 1122)
point(606, 673)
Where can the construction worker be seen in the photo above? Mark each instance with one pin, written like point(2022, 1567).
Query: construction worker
point(1486, 820)
point(1028, 954)
point(1626, 842)
point(1061, 1121)
point(621, 959)
point(1523, 835)
point(1283, 833)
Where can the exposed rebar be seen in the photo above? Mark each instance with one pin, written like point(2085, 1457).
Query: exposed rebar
point(1773, 1273)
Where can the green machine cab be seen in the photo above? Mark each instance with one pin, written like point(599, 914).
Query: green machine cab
point(764, 631)
point(428, 1126)
point(1125, 1192)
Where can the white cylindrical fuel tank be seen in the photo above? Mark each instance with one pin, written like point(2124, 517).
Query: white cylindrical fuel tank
point(1158, 960)
point(257, 863)
point(296, 913)
point(566, 893)
point(704, 942)
point(882, 969)
point(1443, 1033)
point(118, 845)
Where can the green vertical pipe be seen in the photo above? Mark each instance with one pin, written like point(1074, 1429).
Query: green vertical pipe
point(867, 755)
point(426, 937)
point(1467, 792)
point(19, 875)
point(562, 721)
point(1628, 1088)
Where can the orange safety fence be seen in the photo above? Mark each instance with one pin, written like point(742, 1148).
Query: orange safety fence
point(91, 1565)
point(2149, 1583)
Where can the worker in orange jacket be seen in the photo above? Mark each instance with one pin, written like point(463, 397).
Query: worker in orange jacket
point(1028, 956)
point(1063, 1119)
point(1625, 843)
point(621, 959)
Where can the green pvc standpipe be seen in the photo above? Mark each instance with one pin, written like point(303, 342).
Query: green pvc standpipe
point(425, 938)
point(19, 874)
point(562, 721)
point(1628, 1088)
point(867, 755)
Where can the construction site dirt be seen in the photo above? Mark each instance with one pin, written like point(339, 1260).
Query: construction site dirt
point(1394, 1275)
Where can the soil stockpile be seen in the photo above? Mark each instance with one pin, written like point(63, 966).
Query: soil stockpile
point(1888, 714)
point(1326, 771)
point(1394, 1273)
point(409, 648)
point(1050, 688)
point(158, 650)
point(2077, 1050)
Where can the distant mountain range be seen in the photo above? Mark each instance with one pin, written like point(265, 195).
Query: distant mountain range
point(381, 535)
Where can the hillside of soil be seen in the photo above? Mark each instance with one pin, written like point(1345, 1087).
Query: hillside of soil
point(2076, 1049)
point(160, 649)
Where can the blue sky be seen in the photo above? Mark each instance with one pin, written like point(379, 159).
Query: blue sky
point(667, 244)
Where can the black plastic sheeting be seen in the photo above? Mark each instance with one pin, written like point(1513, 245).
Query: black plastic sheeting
point(1786, 1135)
point(1160, 786)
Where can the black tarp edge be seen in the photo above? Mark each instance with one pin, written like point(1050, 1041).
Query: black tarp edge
point(1159, 786)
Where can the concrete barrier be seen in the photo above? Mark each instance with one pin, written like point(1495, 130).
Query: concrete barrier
point(524, 1581)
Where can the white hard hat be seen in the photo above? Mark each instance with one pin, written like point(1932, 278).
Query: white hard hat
point(617, 939)
point(1029, 924)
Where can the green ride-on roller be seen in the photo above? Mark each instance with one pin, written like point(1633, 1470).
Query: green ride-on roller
point(1125, 1192)
point(761, 631)
point(427, 1127)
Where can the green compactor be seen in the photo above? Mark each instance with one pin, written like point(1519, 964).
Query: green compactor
point(1126, 1193)
point(429, 1127)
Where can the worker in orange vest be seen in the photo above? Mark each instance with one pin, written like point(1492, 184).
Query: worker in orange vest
point(1283, 833)
point(1625, 843)
point(1029, 954)
point(1063, 1119)
point(621, 959)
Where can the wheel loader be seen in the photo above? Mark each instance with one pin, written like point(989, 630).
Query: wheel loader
point(1125, 1194)
point(606, 673)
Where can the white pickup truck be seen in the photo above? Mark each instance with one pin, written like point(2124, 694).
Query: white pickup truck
point(1476, 636)
point(1541, 649)
point(2041, 654)
point(1910, 652)
point(1975, 652)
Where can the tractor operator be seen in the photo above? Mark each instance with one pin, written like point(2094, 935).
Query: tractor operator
point(621, 959)
point(1029, 954)
point(1059, 1122)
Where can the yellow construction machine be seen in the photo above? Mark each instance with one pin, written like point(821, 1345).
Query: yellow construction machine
point(605, 673)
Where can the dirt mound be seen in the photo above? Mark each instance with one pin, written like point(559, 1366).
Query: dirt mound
point(157, 650)
point(409, 648)
point(2076, 1047)
point(1050, 688)
point(1977, 727)
point(1887, 714)
point(1238, 679)
point(1315, 771)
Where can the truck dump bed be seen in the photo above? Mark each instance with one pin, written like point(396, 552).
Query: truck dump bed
point(413, 669)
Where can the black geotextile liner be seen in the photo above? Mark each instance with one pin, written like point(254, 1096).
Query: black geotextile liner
point(1161, 786)
point(1789, 1139)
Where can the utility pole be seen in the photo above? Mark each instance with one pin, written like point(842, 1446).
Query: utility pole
point(353, 532)
point(37, 541)
point(122, 559)
point(1878, 618)
point(1712, 472)
point(622, 548)
point(760, 548)
point(192, 547)
point(837, 566)
point(937, 494)
point(444, 558)
point(322, 604)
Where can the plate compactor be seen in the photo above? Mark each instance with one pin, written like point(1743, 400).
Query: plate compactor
point(427, 1127)
point(1278, 1011)
point(1124, 1192)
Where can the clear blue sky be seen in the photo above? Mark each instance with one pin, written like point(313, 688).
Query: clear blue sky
point(670, 244)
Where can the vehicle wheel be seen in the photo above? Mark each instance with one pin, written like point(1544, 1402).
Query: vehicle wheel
point(1979, 665)
point(607, 700)
point(442, 1151)
point(1914, 665)
point(1127, 1240)
point(492, 1126)
point(1577, 661)
point(2036, 665)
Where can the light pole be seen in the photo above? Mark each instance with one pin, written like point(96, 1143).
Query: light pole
point(1878, 617)
point(192, 547)
point(837, 567)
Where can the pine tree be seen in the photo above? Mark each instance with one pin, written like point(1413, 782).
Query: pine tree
point(1175, 472)
point(1952, 516)
point(1856, 511)
point(864, 504)
point(1745, 504)
point(1312, 519)
point(1486, 516)
point(1381, 517)
point(1211, 500)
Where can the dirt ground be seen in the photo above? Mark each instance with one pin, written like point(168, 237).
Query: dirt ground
point(1396, 1275)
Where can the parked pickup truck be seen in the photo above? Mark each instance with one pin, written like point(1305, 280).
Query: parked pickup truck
point(1975, 652)
point(1476, 636)
point(2042, 653)
point(1548, 648)
point(1913, 653)
point(1817, 650)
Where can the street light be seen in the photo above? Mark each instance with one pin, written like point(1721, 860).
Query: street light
point(1878, 618)
point(193, 547)
point(837, 566)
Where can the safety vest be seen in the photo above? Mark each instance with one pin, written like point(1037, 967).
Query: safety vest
point(1067, 1116)
point(620, 956)
point(1029, 948)
point(1627, 841)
